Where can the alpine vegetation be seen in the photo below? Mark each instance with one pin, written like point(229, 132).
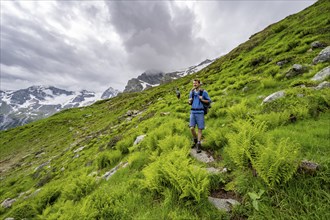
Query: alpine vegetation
point(265, 147)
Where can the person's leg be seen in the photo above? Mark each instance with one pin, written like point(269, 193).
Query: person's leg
point(193, 132)
point(192, 125)
point(200, 124)
point(199, 135)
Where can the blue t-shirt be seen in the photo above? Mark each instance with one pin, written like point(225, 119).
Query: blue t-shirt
point(197, 106)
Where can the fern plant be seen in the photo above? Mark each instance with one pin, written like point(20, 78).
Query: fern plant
point(244, 144)
point(175, 170)
point(239, 111)
point(276, 163)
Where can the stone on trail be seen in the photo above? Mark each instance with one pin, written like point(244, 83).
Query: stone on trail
point(202, 156)
point(223, 204)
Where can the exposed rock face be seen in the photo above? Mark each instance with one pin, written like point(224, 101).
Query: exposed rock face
point(324, 56)
point(133, 85)
point(109, 93)
point(153, 78)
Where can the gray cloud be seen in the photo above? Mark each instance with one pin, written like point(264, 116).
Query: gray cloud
point(157, 34)
point(94, 44)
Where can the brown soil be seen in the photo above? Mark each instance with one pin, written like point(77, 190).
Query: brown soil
point(223, 194)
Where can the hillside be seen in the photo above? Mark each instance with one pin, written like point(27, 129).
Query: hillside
point(82, 163)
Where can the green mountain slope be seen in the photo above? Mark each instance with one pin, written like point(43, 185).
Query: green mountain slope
point(58, 168)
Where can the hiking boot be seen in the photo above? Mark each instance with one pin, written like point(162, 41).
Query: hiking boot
point(198, 148)
point(194, 143)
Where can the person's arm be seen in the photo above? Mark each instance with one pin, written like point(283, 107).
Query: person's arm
point(190, 98)
point(205, 98)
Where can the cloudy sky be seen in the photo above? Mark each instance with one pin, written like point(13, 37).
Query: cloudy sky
point(93, 45)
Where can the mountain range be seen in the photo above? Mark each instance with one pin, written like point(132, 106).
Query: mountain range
point(26, 105)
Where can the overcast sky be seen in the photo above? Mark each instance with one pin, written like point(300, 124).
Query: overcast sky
point(93, 45)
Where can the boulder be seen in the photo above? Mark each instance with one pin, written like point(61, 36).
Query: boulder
point(321, 75)
point(323, 56)
point(308, 167)
point(317, 44)
point(7, 203)
point(274, 96)
point(139, 139)
point(223, 204)
point(281, 63)
point(296, 69)
point(323, 85)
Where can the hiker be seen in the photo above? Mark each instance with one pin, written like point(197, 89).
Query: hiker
point(177, 92)
point(197, 97)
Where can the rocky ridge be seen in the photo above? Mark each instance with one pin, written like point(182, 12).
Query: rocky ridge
point(153, 78)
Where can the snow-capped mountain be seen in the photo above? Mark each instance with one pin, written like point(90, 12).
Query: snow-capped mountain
point(153, 78)
point(36, 102)
point(109, 93)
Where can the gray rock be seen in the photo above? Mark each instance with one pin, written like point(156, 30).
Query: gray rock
point(79, 149)
point(139, 139)
point(41, 166)
point(296, 69)
point(323, 85)
point(323, 56)
point(317, 44)
point(321, 75)
point(202, 156)
point(216, 171)
point(282, 62)
point(223, 204)
point(274, 96)
point(245, 89)
point(108, 174)
point(308, 167)
point(7, 203)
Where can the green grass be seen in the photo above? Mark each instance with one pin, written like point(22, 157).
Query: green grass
point(58, 163)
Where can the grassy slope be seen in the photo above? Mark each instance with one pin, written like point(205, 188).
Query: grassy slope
point(69, 191)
